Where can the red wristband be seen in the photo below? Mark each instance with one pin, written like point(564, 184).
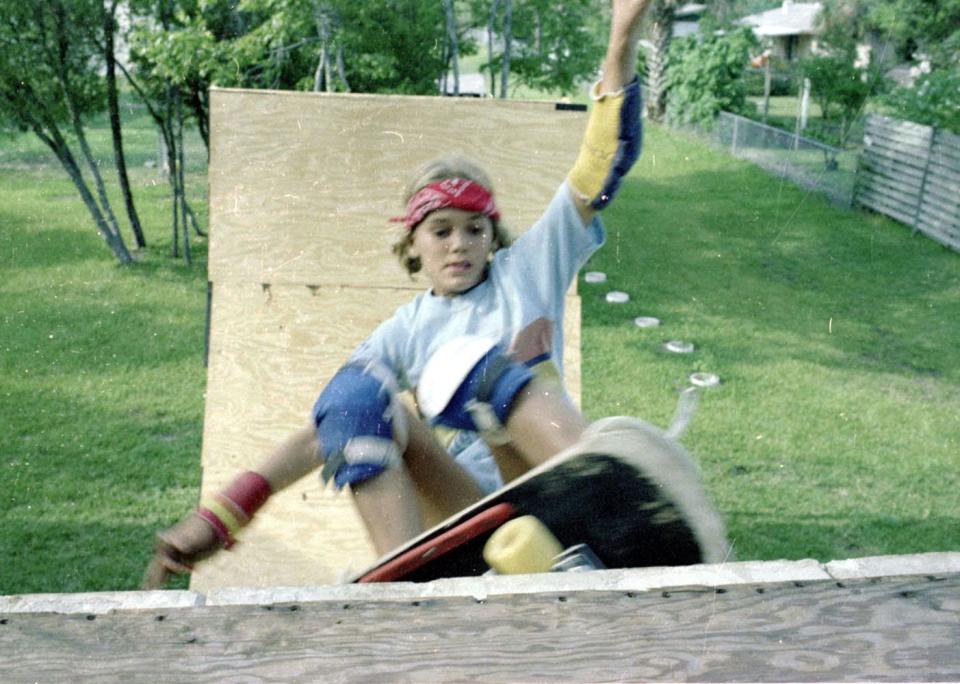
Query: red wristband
point(249, 492)
point(223, 534)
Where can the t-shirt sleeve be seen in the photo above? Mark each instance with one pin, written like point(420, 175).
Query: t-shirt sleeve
point(385, 345)
point(547, 257)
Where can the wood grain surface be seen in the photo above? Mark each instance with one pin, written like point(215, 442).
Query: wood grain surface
point(911, 173)
point(895, 629)
point(301, 187)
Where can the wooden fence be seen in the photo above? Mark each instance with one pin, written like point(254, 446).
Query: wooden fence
point(912, 174)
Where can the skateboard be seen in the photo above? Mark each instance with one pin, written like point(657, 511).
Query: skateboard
point(626, 491)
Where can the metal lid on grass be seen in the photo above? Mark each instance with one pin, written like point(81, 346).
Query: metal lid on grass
point(679, 347)
point(595, 277)
point(646, 322)
point(617, 297)
point(704, 379)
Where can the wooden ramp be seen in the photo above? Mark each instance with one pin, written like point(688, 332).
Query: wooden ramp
point(301, 188)
point(881, 619)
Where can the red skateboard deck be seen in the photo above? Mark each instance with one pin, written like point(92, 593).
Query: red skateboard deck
point(629, 493)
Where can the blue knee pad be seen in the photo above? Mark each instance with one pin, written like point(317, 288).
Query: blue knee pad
point(356, 419)
point(471, 393)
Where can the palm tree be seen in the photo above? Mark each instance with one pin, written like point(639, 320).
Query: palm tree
point(661, 32)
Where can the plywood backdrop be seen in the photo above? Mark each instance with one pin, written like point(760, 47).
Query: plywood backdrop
point(301, 189)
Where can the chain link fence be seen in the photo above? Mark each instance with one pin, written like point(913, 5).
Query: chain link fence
point(808, 163)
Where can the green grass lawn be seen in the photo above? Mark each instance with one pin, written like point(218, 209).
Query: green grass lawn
point(101, 374)
point(834, 433)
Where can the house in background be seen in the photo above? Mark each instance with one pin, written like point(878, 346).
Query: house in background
point(788, 31)
point(686, 19)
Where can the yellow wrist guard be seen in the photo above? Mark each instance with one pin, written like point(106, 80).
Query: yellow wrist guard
point(610, 146)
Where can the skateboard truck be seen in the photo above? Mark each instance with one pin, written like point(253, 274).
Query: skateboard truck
point(577, 558)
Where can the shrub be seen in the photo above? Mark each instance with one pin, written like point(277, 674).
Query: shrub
point(783, 79)
point(706, 77)
point(841, 90)
point(933, 100)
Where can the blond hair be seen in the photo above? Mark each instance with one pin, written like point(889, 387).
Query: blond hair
point(442, 168)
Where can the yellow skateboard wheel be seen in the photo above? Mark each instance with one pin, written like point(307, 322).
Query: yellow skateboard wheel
point(521, 546)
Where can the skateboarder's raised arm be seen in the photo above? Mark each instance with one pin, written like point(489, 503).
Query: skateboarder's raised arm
point(613, 138)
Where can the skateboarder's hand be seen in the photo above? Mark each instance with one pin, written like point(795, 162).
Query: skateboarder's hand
point(178, 548)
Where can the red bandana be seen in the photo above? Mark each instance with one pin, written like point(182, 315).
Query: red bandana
point(458, 193)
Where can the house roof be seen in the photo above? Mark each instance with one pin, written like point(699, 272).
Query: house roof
point(790, 19)
point(691, 9)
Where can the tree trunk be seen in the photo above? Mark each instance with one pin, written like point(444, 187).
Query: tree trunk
point(200, 105)
point(187, 256)
point(63, 80)
point(318, 73)
point(507, 44)
point(766, 88)
point(193, 218)
point(342, 69)
point(164, 146)
point(537, 32)
point(45, 127)
point(109, 18)
point(661, 22)
point(56, 142)
point(321, 77)
point(491, 25)
point(170, 139)
point(454, 47)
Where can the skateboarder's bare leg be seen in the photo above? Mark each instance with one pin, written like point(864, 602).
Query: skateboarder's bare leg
point(389, 507)
point(542, 423)
point(443, 485)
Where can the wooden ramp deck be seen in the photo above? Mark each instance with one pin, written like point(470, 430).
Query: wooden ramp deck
point(301, 189)
point(880, 619)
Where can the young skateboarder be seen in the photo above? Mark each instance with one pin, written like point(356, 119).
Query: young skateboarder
point(481, 349)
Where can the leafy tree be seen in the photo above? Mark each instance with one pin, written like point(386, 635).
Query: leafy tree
point(929, 27)
point(555, 48)
point(705, 77)
point(378, 46)
point(837, 84)
point(394, 47)
point(507, 28)
point(173, 53)
point(842, 24)
point(840, 88)
point(49, 84)
point(543, 45)
point(933, 100)
point(485, 13)
point(283, 44)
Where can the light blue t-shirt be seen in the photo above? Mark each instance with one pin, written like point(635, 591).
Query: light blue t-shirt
point(526, 282)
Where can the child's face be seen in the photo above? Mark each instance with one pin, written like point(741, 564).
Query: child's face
point(453, 246)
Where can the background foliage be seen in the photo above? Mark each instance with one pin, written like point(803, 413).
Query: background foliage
point(705, 77)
